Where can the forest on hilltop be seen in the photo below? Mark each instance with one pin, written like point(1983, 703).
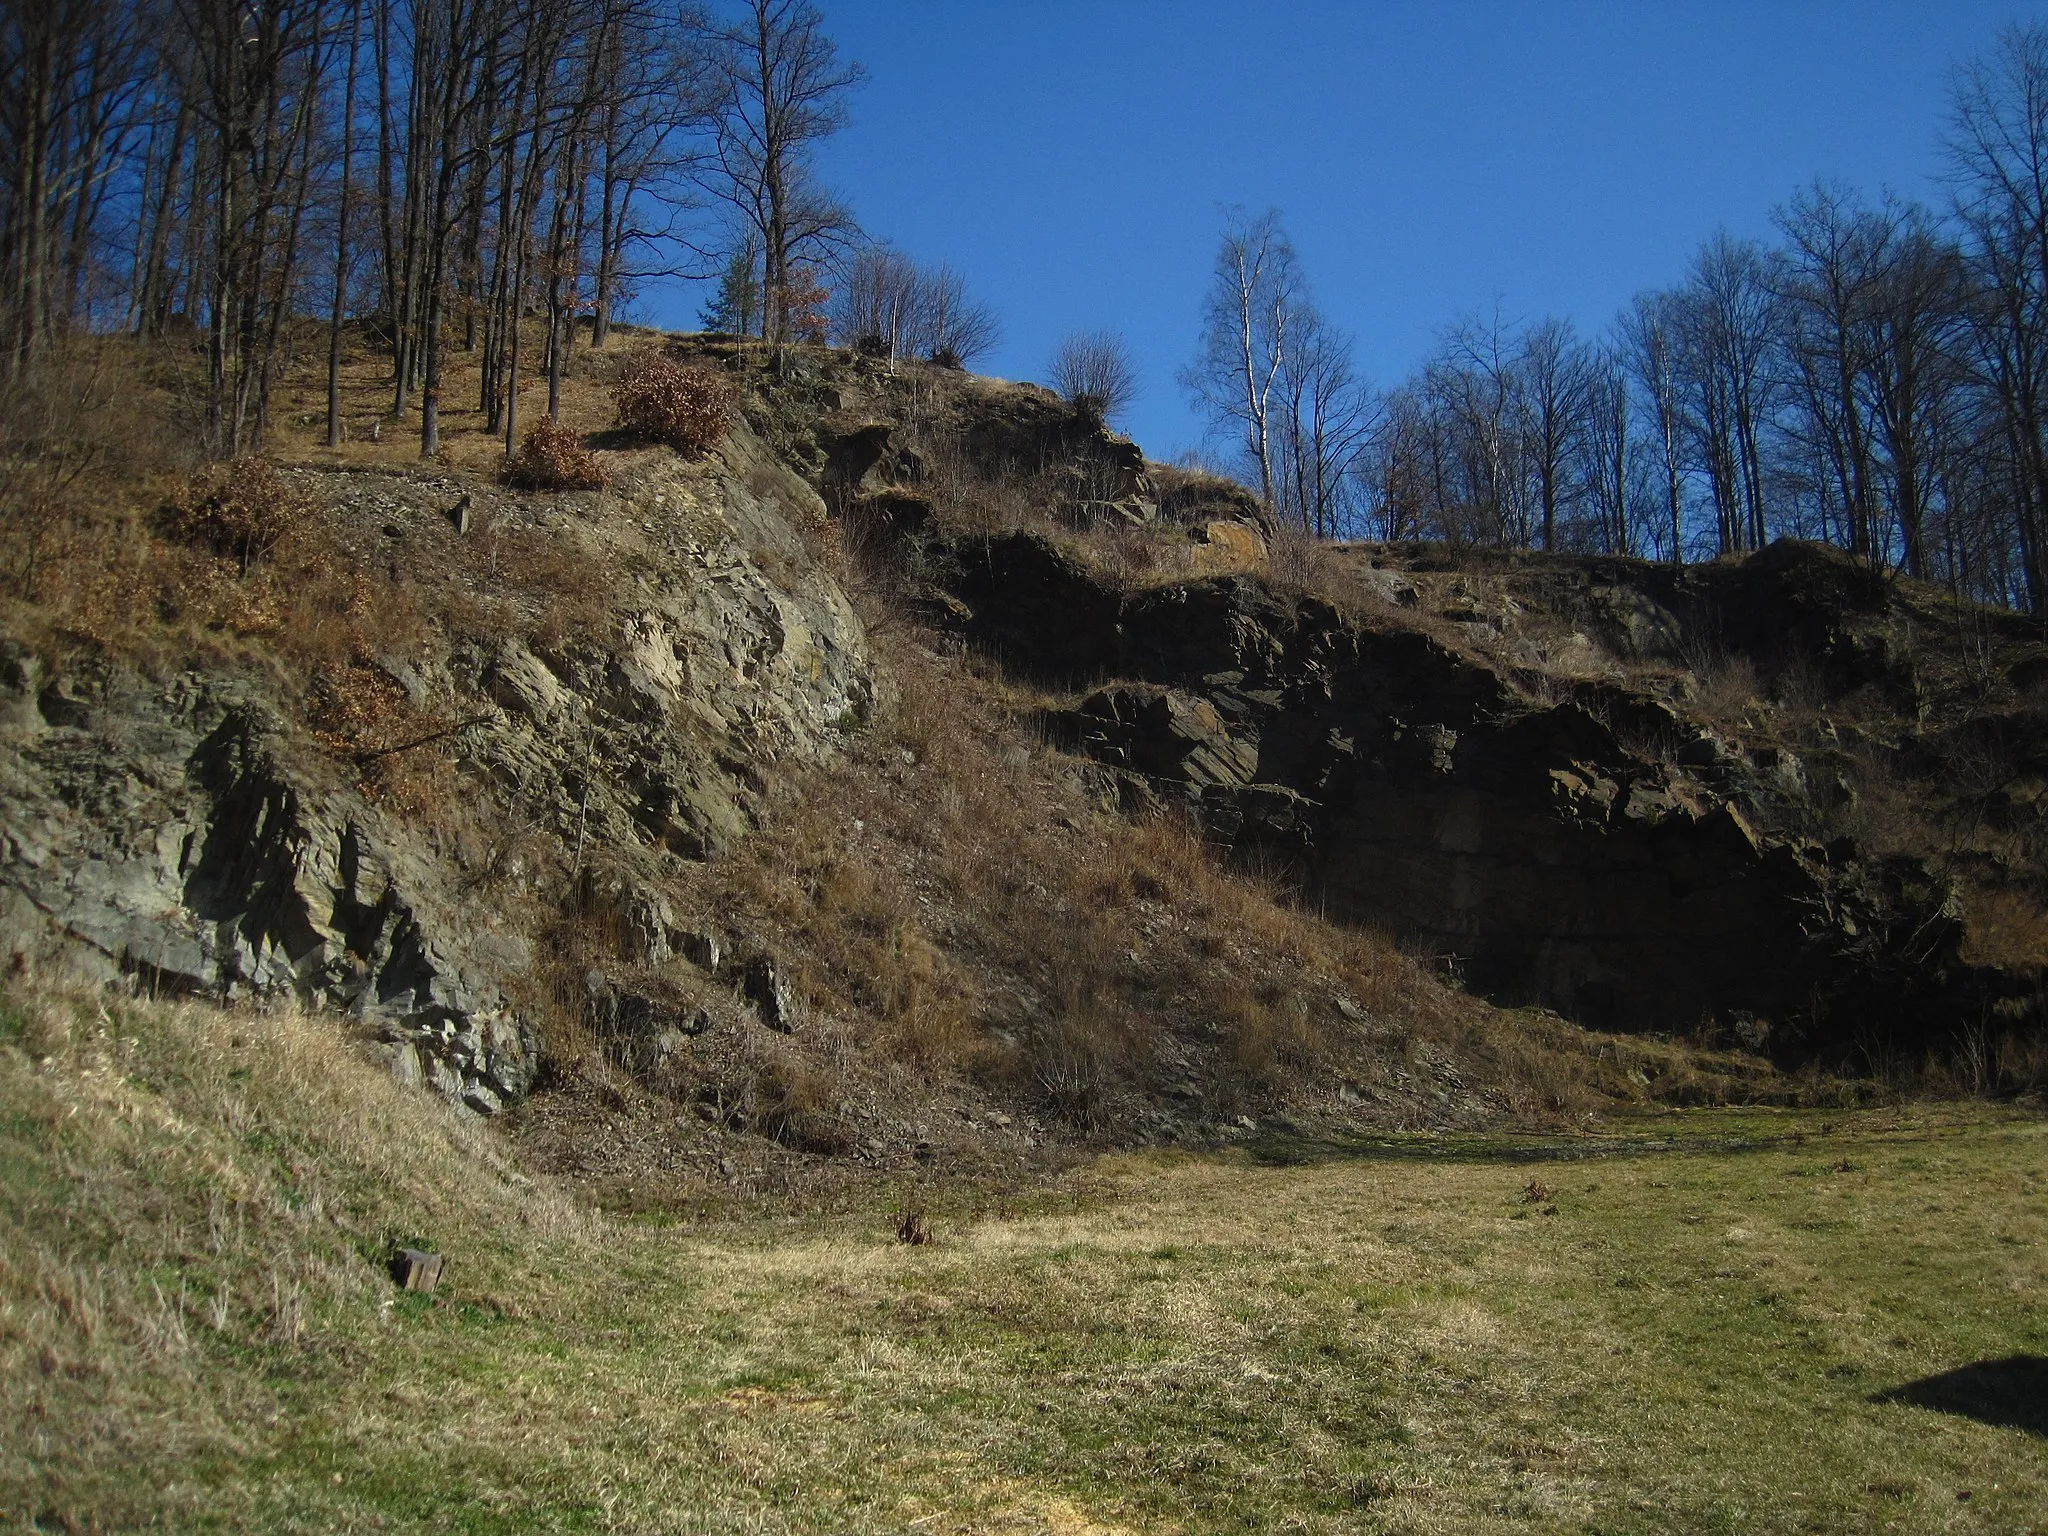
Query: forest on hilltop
point(241, 175)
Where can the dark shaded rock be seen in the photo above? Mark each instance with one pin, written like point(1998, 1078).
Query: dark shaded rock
point(853, 455)
point(1161, 732)
point(706, 951)
point(766, 986)
point(648, 1029)
point(197, 859)
point(1037, 607)
point(882, 521)
point(1549, 852)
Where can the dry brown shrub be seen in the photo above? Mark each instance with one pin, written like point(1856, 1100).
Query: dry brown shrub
point(1078, 1064)
point(78, 428)
point(687, 408)
point(398, 753)
point(1300, 564)
point(239, 511)
point(1273, 1032)
point(2005, 928)
point(356, 709)
point(1728, 687)
point(791, 1099)
point(552, 457)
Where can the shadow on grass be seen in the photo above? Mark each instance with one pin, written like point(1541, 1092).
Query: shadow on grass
point(1290, 1150)
point(2011, 1393)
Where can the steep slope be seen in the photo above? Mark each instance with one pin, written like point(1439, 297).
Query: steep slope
point(375, 817)
point(1782, 799)
point(921, 778)
point(1579, 843)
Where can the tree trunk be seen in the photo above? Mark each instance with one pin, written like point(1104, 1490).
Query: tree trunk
point(337, 313)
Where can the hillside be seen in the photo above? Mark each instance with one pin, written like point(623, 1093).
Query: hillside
point(922, 777)
point(921, 973)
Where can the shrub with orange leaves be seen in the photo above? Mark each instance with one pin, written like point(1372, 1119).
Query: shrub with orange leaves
point(552, 458)
point(688, 408)
point(239, 511)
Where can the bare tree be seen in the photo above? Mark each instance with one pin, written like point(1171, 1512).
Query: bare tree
point(876, 305)
point(1727, 328)
point(1403, 465)
point(892, 305)
point(1825, 284)
point(1914, 318)
point(781, 88)
point(1094, 373)
point(257, 79)
point(1998, 159)
point(1248, 323)
point(1475, 381)
point(1647, 328)
point(1606, 450)
point(1550, 395)
point(70, 75)
point(1326, 415)
point(339, 305)
point(956, 328)
point(658, 93)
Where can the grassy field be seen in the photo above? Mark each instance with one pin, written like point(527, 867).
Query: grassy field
point(1701, 1322)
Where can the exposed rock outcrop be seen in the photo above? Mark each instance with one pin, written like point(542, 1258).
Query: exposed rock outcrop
point(1602, 854)
point(192, 835)
point(174, 835)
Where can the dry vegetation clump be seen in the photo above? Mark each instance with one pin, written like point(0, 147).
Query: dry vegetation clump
point(396, 751)
point(239, 512)
point(2005, 927)
point(1187, 495)
point(1301, 565)
point(689, 408)
point(552, 457)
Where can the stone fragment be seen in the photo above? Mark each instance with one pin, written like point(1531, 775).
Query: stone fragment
point(1388, 586)
point(414, 1269)
point(767, 987)
point(706, 951)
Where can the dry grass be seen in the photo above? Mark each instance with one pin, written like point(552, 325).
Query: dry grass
point(194, 1200)
point(1379, 1333)
point(2005, 928)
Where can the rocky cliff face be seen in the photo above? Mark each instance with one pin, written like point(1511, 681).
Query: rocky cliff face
point(1515, 765)
point(1581, 843)
point(188, 831)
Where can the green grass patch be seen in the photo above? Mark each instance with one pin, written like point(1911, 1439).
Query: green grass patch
point(1695, 1322)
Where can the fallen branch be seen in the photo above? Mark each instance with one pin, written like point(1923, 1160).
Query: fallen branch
point(370, 754)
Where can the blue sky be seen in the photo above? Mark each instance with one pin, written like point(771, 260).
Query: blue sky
point(1430, 159)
